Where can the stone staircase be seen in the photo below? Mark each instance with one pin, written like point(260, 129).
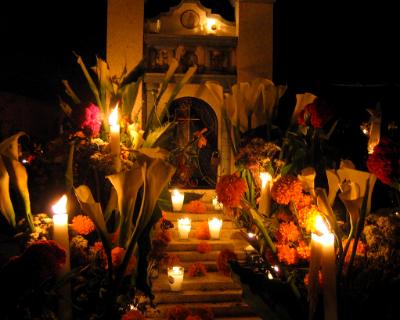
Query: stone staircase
point(220, 293)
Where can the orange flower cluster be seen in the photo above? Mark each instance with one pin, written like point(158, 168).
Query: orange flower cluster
point(230, 189)
point(223, 259)
point(203, 247)
point(303, 250)
point(288, 232)
point(202, 141)
point(83, 224)
point(117, 254)
point(197, 269)
point(196, 206)
point(287, 254)
point(307, 216)
point(287, 189)
point(202, 232)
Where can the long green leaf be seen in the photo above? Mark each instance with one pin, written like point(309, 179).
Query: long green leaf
point(91, 83)
point(6, 206)
point(70, 92)
point(154, 135)
point(105, 85)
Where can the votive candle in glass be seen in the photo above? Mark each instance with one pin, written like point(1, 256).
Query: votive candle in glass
point(175, 277)
point(177, 200)
point(184, 226)
point(215, 225)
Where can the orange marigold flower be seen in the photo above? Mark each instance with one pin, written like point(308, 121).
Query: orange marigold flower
point(133, 315)
point(117, 254)
point(178, 312)
point(203, 247)
point(223, 259)
point(202, 232)
point(83, 224)
point(197, 269)
point(230, 189)
point(307, 217)
point(196, 206)
point(303, 250)
point(304, 200)
point(288, 232)
point(287, 254)
point(202, 141)
point(286, 189)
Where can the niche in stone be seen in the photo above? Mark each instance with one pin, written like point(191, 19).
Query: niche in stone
point(196, 164)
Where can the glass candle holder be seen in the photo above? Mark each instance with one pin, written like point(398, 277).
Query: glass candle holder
point(215, 225)
point(175, 277)
point(177, 200)
point(184, 226)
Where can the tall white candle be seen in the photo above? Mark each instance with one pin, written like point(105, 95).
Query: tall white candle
point(175, 277)
point(177, 200)
point(265, 198)
point(323, 249)
point(184, 226)
point(115, 148)
point(60, 235)
point(214, 225)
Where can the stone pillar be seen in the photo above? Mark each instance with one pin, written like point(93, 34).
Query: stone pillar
point(125, 25)
point(254, 23)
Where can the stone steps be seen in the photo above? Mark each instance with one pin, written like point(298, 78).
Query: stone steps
point(194, 256)
point(184, 296)
point(198, 217)
point(216, 245)
point(211, 281)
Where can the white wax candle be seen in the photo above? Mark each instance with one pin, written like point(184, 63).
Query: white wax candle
point(214, 225)
point(60, 235)
point(177, 200)
point(264, 206)
point(115, 148)
point(184, 226)
point(323, 250)
point(175, 277)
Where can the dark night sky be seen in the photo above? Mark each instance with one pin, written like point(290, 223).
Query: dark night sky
point(315, 43)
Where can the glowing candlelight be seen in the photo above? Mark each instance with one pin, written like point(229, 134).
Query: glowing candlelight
point(216, 204)
point(177, 200)
point(60, 235)
point(115, 138)
point(323, 253)
point(184, 226)
point(175, 277)
point(214, 225)
point(265, 198)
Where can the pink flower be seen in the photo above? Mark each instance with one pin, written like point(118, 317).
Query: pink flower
point(92, 119)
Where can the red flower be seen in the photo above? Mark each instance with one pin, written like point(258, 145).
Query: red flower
point(197, 269)
point(230, 189)
point(223, 259)
point(384, 161)
point(92, 119)
point(83, 224)
point(133, 315)
point(317, 113)
point(117, 255)
point(203, 247)
point(178, 312)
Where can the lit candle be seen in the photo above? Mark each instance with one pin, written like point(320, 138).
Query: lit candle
point(177, 200)
point(265, 198)
point(323, 253)
point(216, 204)
point(115, 138)
point(175, 277)
point(214, 225)
point(184, 226)
point(60, 235)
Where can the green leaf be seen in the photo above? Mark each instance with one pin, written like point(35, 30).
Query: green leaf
point(70, 92)
point(65, 107)
point(6, 206)
point(135, 74)
point(106, 90)
point(129, 95)
point(155, 135)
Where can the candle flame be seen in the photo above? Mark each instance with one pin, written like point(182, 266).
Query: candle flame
point(320, 225)
point(251, 235)
point(113, 118)
point(61, 206)
point(176, 192)
point(215, 222)
point(176, 269)
point(185, 221)
point(265, 178)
